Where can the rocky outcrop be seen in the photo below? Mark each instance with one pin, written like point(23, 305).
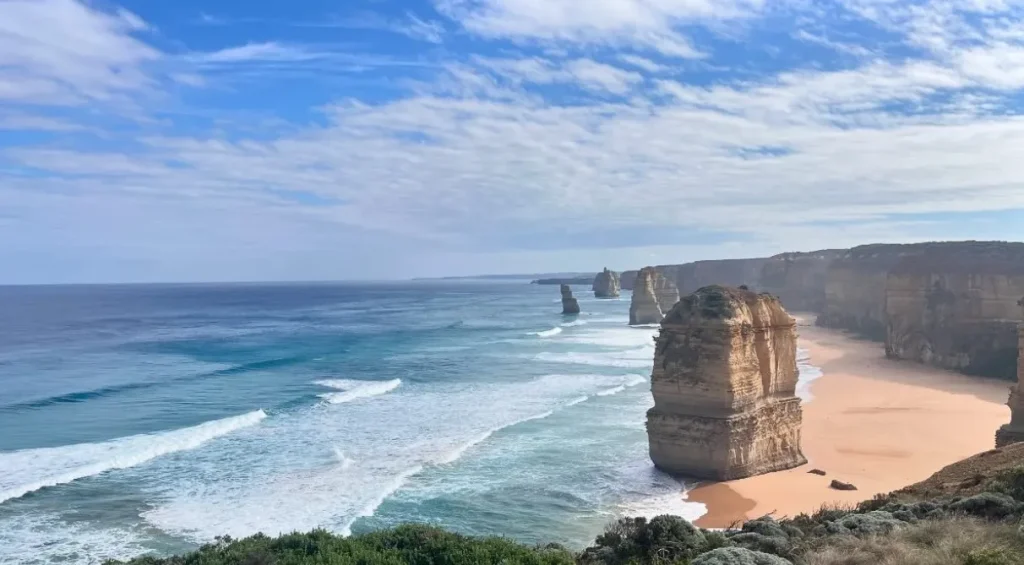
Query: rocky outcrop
point(798, 279)
point(569, 304)
point(606, 284)
point(1014, 431)
point(855, 288)
point(955, 305)
point(724, 385)
point(653, 295)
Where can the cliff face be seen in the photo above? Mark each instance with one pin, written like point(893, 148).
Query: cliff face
point(606, 284)
point(955, 305)
point(569, 304)
point(724, 385)
point(627, 279)
point(798, 279)
point(653, 295)
point(855, 288)
point(727, 272)
point(1014, 431)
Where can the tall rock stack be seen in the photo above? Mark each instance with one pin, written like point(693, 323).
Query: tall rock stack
point(644, 307)
point(724, 386)
point(606, 284)
point(569, 303)
point(1014, 431)
point(653, 295)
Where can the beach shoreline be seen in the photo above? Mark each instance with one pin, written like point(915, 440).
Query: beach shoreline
point(873, 422)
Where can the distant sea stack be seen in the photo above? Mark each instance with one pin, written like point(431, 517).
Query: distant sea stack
point(627, 279)
point(798, 279)
point(724, 386)
point(606, 284)
point(569, 304)
point(1014, 431)
point(955, 305)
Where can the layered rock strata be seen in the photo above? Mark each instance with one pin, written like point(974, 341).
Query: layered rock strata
point(569, 303)
point(955, 305)
point(798, 279)
point(724, 385)
point(1014, 431)
point(606, 284)
point(855, 289)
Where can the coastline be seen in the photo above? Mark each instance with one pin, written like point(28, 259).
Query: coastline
point(873, 422)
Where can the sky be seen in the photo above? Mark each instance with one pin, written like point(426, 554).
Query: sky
point(242, 140)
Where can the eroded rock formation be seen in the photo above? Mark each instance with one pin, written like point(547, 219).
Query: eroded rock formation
point(724, 385)
point(606, 284)
point(798, 279)
point(569, 303)
point(955, 305)
point(1014, 431)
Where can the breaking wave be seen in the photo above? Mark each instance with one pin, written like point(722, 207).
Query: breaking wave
point(355, 390)
point(29, 470)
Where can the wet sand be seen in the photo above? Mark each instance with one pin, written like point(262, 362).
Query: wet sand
point(876, 423)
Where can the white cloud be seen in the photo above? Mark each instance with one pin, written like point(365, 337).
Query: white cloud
point(63, 52)
point(649, 24)
point(642, 63)
point(411, 26)
point(266, 51)
point(585, 73)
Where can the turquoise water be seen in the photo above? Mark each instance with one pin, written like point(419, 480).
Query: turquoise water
point(152, 418)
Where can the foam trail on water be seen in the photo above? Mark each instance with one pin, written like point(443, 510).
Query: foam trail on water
point(371, 508)
point(808, 374)
point(574, 323)
point(549, 333)
point(354, 390)
point(639, 358)
point(29, 470)
point(344, 461)
point(632, 381)
point(462, 449)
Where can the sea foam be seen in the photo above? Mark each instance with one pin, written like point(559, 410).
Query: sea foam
point(355, 390)
point(549, 333)
point(29, 470)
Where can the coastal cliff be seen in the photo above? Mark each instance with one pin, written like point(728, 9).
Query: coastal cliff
point(653, 295)
point(606, 284)
point(1014, 431)
point(798, 279)
point(724, 383)
point(569, 303)
point(955, 305)
point(855, 285)
point(627, 279)
point(726, 272)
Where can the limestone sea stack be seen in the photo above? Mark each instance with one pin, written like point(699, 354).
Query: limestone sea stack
point(653, 296)
point(724, 386)
point(1014, 431)
point(569, 304)
point(606, 284)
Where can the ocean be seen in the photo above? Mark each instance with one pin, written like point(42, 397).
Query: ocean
point(143, 419)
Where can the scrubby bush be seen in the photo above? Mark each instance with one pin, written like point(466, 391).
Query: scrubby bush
point(991, 505)
point(870, 523)
point(738, 556)
point(637, 540)
point(1009, 482)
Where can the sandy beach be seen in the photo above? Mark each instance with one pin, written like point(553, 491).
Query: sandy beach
point(875, 423)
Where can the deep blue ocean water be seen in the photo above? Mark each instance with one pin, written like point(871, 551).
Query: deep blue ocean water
point(152, 418)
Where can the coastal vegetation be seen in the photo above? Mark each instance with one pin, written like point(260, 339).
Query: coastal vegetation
point(968, 514)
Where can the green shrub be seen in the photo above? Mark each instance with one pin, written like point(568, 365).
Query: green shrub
point(738, 556)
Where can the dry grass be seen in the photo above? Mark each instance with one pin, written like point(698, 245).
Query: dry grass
point(958, 541)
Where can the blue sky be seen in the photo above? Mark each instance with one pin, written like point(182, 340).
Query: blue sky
point(270, 140)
